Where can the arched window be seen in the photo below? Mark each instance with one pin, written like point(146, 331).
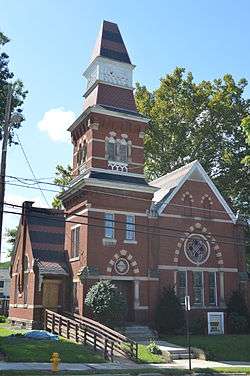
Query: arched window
point(82, 153)
point(207, 207)
point(187, 206)
point(112, 149)
point(123, 152)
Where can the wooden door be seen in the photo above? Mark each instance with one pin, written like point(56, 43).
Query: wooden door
point(126, 288)
point(51, 295)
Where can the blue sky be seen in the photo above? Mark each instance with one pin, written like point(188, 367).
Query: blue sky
point(51, 43)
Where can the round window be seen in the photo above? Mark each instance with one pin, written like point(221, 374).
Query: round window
point(122, 266)
point(197, 249)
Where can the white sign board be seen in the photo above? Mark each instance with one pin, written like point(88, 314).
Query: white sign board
point(215, 321)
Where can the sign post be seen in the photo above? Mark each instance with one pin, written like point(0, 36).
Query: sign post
point(188, 308)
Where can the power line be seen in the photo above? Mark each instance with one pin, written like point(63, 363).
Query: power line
point(181, 232)
point(31, 169)
point(111, 194)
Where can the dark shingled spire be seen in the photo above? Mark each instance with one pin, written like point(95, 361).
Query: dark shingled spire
point(110, 44)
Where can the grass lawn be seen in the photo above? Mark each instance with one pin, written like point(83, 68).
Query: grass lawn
point(27, 350)
point(144, 356)
point(227, 347)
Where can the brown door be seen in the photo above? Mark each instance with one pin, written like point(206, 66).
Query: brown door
point(127, 290)
point(51, 295)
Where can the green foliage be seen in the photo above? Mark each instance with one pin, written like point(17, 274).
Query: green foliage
point(154, 348)
point(169, 316)
point(198, 325)
point(191, 120)
point(246, 126)
point(63, 177)
point(2, 319)
point(145, 356)
point(19, 93)
point(106, 303)
point(5, 265)
point(238, 315)
point(11, 234)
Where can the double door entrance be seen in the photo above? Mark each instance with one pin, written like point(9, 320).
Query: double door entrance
point(127, 290)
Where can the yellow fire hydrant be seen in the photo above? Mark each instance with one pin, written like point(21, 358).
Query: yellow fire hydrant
point(55, 360)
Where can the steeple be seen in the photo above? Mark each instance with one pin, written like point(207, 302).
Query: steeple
point(109, 44)
point(110, 73)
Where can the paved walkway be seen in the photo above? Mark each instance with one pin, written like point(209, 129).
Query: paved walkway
point(124, 365)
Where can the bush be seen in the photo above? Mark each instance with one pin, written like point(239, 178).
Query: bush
point(106, 303)
point(237, 324)
point(237, 313)
point(2, 319)
point(169, 316)
point(198, 325)
point(153, 348)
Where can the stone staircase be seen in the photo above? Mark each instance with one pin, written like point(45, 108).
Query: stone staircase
point(177, 352)
point(139, 333)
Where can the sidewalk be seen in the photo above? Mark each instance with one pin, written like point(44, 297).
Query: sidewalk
point(124, 365)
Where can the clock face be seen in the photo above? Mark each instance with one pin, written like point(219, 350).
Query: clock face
point(197, 249)
point(122, 266)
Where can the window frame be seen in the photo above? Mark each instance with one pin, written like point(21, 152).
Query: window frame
point(130, 228)
point(75, 241)
point(109, 225)
point(212, 288)
point(200, 288)
point(185, 288)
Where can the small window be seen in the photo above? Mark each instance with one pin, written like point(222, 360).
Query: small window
point(188, 206)
point(124, 151)
point(198, 288)
point(75, 242)
point(109, 225)
point(111, 149)
point(1, 284)
point(130, 227)
point(206, 208)
point(212, 288)
point(182, 286)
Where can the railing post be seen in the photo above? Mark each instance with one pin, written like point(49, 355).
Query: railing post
point(94, 341)
point(53, 323)
point(76, 334)
point(85, 336)
point(45, 320)
point(106, 349)
point(136, 350)
point(68, 329)
point(60, 326)
point(112, 351)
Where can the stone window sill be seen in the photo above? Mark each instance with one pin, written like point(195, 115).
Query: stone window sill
point(130, 241)
point(108, 241)
point(74, 259)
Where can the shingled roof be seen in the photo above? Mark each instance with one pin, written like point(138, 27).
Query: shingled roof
point(110, 44)
point(47, 231)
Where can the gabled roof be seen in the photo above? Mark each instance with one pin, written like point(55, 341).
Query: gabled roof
point(170, 184)
point(109, 44)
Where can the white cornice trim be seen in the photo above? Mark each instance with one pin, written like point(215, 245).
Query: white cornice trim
point(196, 218)
point(100, 59)
point(99, 110)
point(117, 212)
point(117, 172)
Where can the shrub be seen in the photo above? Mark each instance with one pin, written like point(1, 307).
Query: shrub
point(106, 303)
point(2, 319)
point(198, 325)
point(237, 324)
point(238, 315)
point(169, 316)
point(153, 348)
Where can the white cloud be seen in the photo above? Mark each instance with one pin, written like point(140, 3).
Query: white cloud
point(56, 122)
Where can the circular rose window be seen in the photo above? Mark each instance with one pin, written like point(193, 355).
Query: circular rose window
point(122, 266)
point(197, 249)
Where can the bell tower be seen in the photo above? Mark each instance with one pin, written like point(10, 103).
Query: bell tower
point(108, 135)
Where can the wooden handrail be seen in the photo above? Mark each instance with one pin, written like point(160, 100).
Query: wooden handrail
point(87, 331)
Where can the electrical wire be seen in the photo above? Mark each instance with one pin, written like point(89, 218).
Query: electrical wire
point(154, 228)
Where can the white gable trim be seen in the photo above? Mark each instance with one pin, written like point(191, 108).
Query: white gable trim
point(212, 186)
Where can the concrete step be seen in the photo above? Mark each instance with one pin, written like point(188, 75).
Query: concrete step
point(139, 333)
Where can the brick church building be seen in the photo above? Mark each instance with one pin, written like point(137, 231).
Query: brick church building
point(177, 229)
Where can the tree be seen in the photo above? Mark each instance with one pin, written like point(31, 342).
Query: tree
point(63, 178)
point(106, 302)
point(11, 234)
point(169, 316)
point(19, 93)
point(238, 314)
point(201, 121)
point(246, 126)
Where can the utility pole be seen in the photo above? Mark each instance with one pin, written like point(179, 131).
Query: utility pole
point(6, 130)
